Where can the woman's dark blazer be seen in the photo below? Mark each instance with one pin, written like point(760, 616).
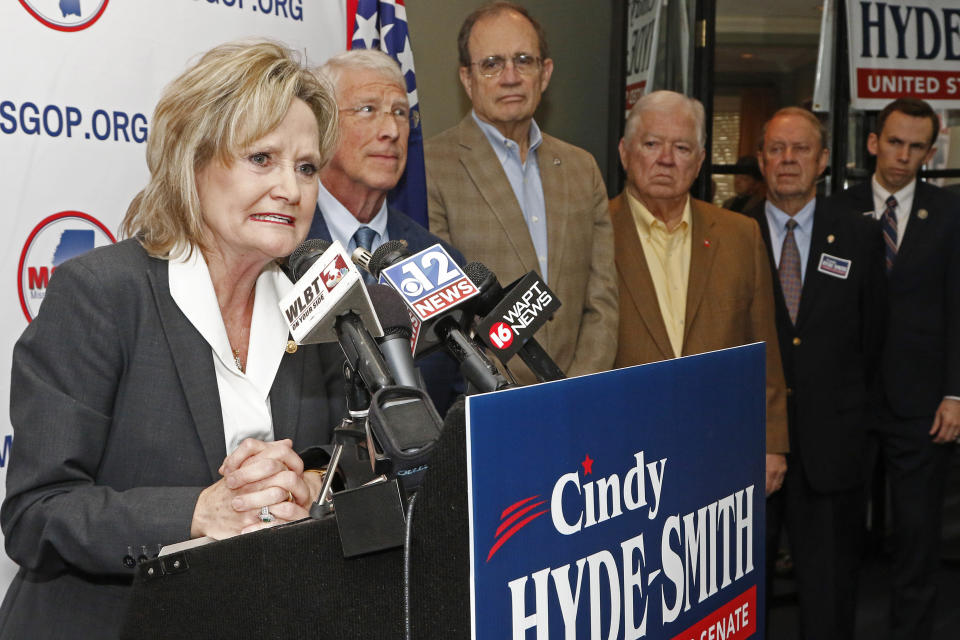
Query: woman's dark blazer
point(117, 429)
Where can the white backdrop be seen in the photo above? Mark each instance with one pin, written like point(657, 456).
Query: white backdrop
point(78, 84)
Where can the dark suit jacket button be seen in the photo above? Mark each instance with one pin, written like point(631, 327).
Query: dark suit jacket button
point(797, 341)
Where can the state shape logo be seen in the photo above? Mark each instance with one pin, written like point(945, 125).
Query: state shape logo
point(66, 15)
point(54, 240)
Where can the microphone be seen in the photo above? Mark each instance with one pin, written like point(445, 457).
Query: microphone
point(437, 292)
point(329, 302)
point(395, 343)
point(402, 420)
point(510, 317)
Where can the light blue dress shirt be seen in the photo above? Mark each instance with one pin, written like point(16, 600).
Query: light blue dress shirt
point(525, 180)
point(343, 225)
point(802, 233)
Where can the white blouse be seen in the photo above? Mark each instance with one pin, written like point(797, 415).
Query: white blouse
point(244, 397)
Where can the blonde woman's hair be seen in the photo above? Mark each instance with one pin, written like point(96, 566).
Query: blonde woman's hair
point(235, 94)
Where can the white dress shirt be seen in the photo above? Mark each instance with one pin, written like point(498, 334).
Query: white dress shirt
point(342, 225)
point(802, 233)
point(244, 397)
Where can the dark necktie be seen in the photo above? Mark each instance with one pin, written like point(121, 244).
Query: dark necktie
point(790, 279)
point(889, 223)
point(364, 238)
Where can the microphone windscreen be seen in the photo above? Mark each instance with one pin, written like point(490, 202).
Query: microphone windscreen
point(305, 255)
point(477, 272)
point(486, 281)
point(390, 308)
point(386, 254)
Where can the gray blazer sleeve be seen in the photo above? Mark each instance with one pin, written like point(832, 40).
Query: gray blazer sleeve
point(74, 496)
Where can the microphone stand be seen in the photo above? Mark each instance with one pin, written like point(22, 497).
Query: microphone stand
point(347, 438)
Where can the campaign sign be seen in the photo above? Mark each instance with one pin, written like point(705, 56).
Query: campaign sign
point(430, 282)
point(627, 504)
point(904, 48)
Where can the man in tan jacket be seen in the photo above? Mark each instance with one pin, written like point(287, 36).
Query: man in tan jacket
point(519, 200)
point(692, 277)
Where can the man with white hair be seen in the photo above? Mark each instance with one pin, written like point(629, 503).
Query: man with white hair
point(692, 277)
point(375, 123)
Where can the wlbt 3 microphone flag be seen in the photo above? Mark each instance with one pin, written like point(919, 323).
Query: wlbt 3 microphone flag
point(326, 287)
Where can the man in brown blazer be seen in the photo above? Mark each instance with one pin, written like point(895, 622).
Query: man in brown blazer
point(518, 200)
point(692, 277)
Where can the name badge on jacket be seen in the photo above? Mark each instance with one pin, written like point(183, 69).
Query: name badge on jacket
point(834, 266)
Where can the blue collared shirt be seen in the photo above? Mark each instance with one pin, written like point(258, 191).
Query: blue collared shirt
point(343, 225)
point(802, 233)
point(525, 180)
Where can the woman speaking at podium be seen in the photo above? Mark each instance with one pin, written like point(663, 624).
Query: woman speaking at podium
point(156, 398)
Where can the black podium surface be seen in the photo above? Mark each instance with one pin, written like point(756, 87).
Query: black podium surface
point(292, 581)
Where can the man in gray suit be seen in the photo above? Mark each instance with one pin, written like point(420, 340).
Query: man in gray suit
point(517, 199)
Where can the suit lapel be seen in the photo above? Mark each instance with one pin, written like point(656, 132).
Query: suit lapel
point(634, 273)
point(916, 227)
point(285, 397)
point(554, 180)
point(811, 281)
point(194, 364)
point(318, 228)
point(396, 225)
point(761, 217)
point(703, 247)
point(486, 173)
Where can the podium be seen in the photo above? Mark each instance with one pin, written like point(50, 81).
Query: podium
point(503, 541)
point(292, 581)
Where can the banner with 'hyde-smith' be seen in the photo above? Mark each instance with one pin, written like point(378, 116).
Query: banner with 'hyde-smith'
point(627, 504)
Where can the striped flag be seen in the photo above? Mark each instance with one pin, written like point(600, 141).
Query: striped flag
point(383, 24)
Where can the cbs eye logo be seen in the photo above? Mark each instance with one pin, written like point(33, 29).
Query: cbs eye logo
point(66, 15)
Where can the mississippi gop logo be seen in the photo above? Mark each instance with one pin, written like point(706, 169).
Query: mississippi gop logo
point(66, 15)
point(57, 238)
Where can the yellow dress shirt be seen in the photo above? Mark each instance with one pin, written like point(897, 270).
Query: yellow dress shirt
point(668, 259)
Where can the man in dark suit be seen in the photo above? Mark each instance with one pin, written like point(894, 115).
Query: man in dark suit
point(352, 203)
point(919, 416)
point(828, 306)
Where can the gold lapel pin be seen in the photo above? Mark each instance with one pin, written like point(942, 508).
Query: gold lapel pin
point(291, 346)
point(922, 214)
point(831, 238)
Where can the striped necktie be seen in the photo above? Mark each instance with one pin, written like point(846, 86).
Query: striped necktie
point(364, 237)
point(790, 279)
point(889, 223)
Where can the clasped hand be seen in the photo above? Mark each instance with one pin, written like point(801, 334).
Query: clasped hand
point(255, 475)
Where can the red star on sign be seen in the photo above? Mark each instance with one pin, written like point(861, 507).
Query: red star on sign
point(587, 465)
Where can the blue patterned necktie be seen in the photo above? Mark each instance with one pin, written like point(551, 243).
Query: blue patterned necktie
point(789, 271)
point(364, 238)
point(889, 223)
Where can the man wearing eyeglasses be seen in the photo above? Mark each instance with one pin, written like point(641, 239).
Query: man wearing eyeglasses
point(518, 199)
point(375, 123)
